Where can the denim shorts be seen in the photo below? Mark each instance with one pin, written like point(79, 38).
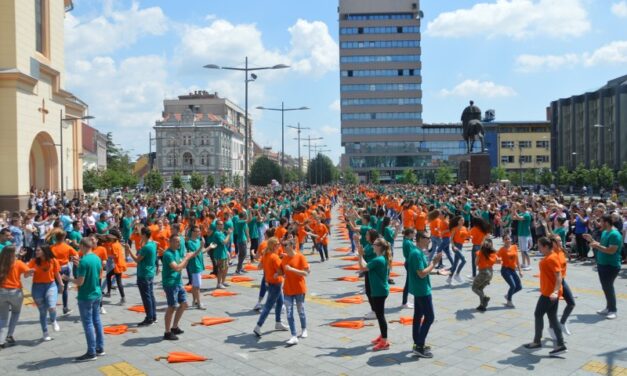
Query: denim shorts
point(175, 294)
point(196, 280)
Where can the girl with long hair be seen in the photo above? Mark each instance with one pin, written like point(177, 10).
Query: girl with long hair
point(46, 278)
point(486, 257)
point(459, 235)
point(11, 296)
point(509, 268)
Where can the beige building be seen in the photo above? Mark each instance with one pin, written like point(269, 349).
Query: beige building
point(33, 102)
point(524, 145)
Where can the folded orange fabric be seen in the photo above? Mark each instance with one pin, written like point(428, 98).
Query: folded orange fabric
point(182, 357)
point(394, 274)
point(349, 278)
point(208, 276)
point(342, 249)
point(209, 321)
point(396, 289)
point(221, 293)
point(241, 278)
point(350, 258)
point(131, 264)
point(209, 267)
point(116, 330)
point(351, 300)
point(398, 263)
point(358, 324)
point(351, 267)
point(250, 267)
point(137, 308)
point(188, 288)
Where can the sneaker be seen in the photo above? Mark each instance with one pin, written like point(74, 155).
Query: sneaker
point(391, 281)
point(10, 340)
point(481, 308)
point(370, 316)
point(292, 341)
point(46, 338)
point(169, 336)
point(224, 284)
point(303, 334)
point(611, 315)
point(449, 280)
point(382, 345)
point(106, 295)
point(66, 311)
point(552, 334)
point(509, 304)
point(257, 307)
point(603, 312)
point(532, 346)
point(527, 268)
point(145, 323)
point(280, 326)
point(177, 331)
point(201, 306)
point(238, 272)
point(376, 340)
point(55, 326)
point(257, 331)
point(154, 321)
point(86, 358)
point(458, 278)
point(100, 352)
point(470, 277)
point(486, 300)
point(407, 305)
point(565, 329)
point(558, 350)
point(103, 311)
point(422, 352)
point(122, 301)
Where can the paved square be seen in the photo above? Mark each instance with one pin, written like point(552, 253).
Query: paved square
point(463, 340)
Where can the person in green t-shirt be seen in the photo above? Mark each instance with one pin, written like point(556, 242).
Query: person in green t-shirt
point(173, 286)
point(102, 226)
point(146, 259)
point(377, 279)
point(196, 264)
point(221, 254)
point(522, 214)
point(608, 262)
point(240, 224)
point(418, 270)
point(89, 295)
point(127, 225)
point(74, 237)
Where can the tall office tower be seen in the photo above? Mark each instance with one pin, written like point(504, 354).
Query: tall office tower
point(380, 86)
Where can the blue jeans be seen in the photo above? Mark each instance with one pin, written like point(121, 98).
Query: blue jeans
point(300, 306)
point(459, 259)
point(435, 244)
point(67, 271)
point(423, 308)
point(275, 298)
point(263, 287)
point(445, 246)
point(350, 237)
point(45, 296)
point(473, 252)
point(512, 279)
point(147, 294)
point(323, 250)
point(607, 275)
point(90, 317)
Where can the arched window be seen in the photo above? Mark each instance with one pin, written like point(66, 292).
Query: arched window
point(188, 160)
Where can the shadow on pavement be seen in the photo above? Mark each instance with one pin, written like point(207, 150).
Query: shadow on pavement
point(465, 314)
point(251, 342)
point(339, 352)
point(242, 313)
point(524, 359)
point(44, 364)
point(141, 342)
point(587, 318)
point(386, 359)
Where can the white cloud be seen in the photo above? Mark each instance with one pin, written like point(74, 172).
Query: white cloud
point(514, 18)
point(329, 130)
point(335, 106)
point(620, 9)
point(532, 63)
point(476, 88)
point(313, 48)
point(612, 53)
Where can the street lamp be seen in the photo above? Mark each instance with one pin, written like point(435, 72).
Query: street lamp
point(300, 166)
point(60, 144)
point(253, 77)
point(316, 148)
point(574, 157)
point(283, 110)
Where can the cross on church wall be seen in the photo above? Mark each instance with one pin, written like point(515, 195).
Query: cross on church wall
point(44, 111)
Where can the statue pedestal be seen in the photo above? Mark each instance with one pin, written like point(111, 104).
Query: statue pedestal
point(474, 168)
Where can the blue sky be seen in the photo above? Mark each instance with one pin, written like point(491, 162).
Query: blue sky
point(515, 56)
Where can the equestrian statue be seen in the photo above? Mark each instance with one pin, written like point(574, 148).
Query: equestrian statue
point(472, 127)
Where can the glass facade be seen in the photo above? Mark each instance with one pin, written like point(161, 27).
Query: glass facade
point(380, 101)
point(379, 58)
point(369, 131)
point(432, 154)
point(380, 87)
point(380, 73)
point(381, 44)
point(379, 16)
point(383, 116)
point(379, 30)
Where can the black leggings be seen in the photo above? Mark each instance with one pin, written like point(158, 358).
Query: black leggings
point(118, 279)
point(546, 306)
point(368, 293)
point(254, 246)
point(378, 306)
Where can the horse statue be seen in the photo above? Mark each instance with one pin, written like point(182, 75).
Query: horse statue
point(472, 127)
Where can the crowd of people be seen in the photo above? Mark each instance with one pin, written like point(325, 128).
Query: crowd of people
point(90, 244)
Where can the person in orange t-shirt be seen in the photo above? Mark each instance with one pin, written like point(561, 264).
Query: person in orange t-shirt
point(486, 257)
point(550, 289)
point(478, 234)
point(64, 253)
point(11, 296)
point(567, 294)
point(46, 277)
point(408, 216)
point(321, 233)
point(116, 252)
point(294, 268)
point(271, 265)
point(459, 235)
point(259, 256)
point(509, 266)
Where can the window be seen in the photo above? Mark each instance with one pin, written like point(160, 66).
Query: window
point(381, 87)
point(381, 44)
point(524, 144)
point(379, 16)
point(542, 144)
point(41, 26)
point(204, 158)
point(507, 159)
point(382, 116)
point(380, 101)
point(379, 58)
point(507, 144)
point(188, 161)
point(380, 73)
point(524, 159)
point(379, 30)
point(542, 159)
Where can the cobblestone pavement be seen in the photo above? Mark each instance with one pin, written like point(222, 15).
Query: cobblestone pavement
point(463, 340)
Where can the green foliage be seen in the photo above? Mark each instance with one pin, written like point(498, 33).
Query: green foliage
point(350, 177)
point(177, 181)
point(580, 176)
point(291, 175)
point(211, 181)
point(196, 181)
point(515, 177)
point(530, 177)
point(91, 180)
point(498, 174)
point(237, 181)
point(322, 171)
point(563, 176)
point(153, 181)
point(622, 175)
point(224, 181)
point(444, 175)
point(263, 171)
point(408, 177)
point(545, 177)
point(375, 176)
point(119, 172)
point(606, 177)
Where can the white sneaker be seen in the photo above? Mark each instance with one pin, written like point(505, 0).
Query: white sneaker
point(449, 280)
point(280, 326)
point(292, 341)
point(509, 304)
point(565, 329)
point(55, 326)
point(257, 307)
point(527, 268)
point(103, 311)
point(46, 338)
point(257, 331)
point(370, 316)
point(552, 334)
point(408, 305)
point(603, 312)
point(304, 334)
point(458, 278)
point(611, 315)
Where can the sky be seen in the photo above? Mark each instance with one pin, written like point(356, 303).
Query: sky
point(514, 56)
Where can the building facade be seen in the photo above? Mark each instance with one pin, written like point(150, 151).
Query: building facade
point(524, 146)
point(588, 128)
point(94, 148)
point(34, 102)
point(380, 85)
point(194, 140)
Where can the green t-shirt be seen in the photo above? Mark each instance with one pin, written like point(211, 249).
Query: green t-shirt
point(363, 230)
point(378, 276)
point(253, 228)
point(608, 238)
point(127, 227)
point(561, 231)
point(220, 253)
point(182, 248)
point(5, 244)
point(75, 236)
point(169, 276)
point(146, 267)
point(467, 209)
point(239, 228)
point(101, 227)
point(369, 252)
point(524, 225)
point(89, 268)
point(408, 246)
point(196, 264)
point(389, 235)
point(417, 261)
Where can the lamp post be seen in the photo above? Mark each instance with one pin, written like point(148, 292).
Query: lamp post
point(316, 150)
point(61, 126)
point(247, 79)
point(602, 142)
point(320, 151)
point(308, 146)
point(283, 110)
point(300, 166)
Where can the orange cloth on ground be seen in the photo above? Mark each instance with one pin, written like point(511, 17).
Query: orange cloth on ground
point(352, 267)
point(209, 321)
point(240, 278)
point(46, 272)
point(183, 357)
point(358, 324)
point(396, 289)
point(137, 308)
point(221, 293)
point(349, 278)
point(350, 258)
point(351, 300)
point(208, 276)
point(115, 330)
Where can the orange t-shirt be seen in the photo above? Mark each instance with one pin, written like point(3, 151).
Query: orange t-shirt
point(444, 230)
point(299, 218)
point(136, 239)
point(119, 258)
point(461, 235)
point(549, 265)
point(280, 232)
point(271, 264)
point(101, 252)
point(485, 262)
point(13, 280)
point(62, 252)
point(434, 227)
point(322, 230)
point(294, 283)
point(561, 256)
point(509, 257)
point(421, 221)
point(477, 235)
point(408, 218)
point(162, 239)
point(45, 272)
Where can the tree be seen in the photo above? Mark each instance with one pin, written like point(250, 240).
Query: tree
point(321, 170)
point(592, 177)
point(514, 177)
point(530, 177)
point(177, 181)
point(563, 176)
point(153, 181)
point(237, 181)
point(580, 176)
point(444, 175)
point(349, 176)
point(546, 177)
point(224, 180)
point(91, 180)
point(263, 171)
point(291, 175)
point(408, 177)
point(622, 175)
point(498, 174)
point(606, 177)
point(375, 176)
point(211, 181)
point(196, 181)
